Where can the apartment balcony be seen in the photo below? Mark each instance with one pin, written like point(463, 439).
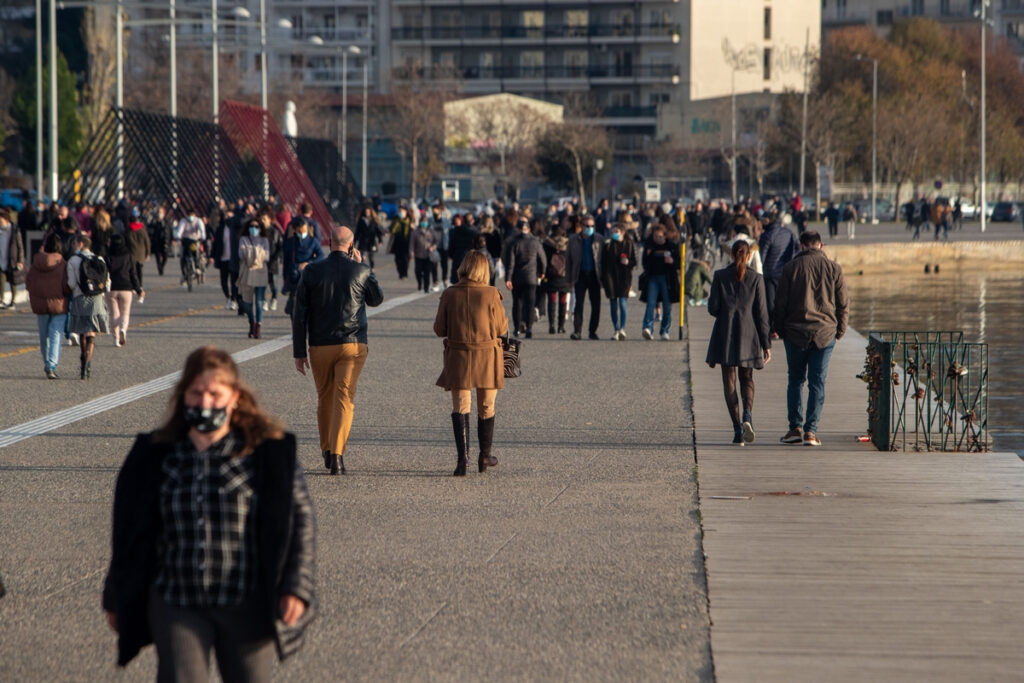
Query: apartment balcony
point(595, 74)
point(343, 35)
point(506, 4)
point(626, 116)
point(608, 33)
point(839, 17)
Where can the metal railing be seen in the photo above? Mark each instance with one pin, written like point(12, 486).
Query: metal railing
point(665, 30)
point(633, 71)
point(927, 391)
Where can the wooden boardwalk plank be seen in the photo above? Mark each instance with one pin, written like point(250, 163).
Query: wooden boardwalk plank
point(844, 564)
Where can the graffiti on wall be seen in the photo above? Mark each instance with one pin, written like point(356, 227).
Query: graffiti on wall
point(750, 57)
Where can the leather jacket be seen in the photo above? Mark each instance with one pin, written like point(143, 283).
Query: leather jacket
point(330, 303)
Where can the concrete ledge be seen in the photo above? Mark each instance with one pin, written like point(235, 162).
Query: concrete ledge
point(904, 253)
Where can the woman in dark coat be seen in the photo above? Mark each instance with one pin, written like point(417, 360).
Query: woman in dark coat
point(740, 340)
point(556, 282)
point(471, 318)
point(401, 232)
point(618, 259)
point(222, 465)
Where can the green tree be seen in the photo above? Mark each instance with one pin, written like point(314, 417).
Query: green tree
point(69, 122)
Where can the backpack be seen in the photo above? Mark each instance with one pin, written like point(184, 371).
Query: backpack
point(556, 266)
point(92, 275)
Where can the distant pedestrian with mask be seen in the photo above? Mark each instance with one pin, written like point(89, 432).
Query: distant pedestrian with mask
point(524, 264)
point(253, 274)
point(583, 270)
point(300, 249)
point(618, 259)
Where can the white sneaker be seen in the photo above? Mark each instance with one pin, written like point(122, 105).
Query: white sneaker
point(142, 300)
point(632, 294)
point(647, 334)
point(73, 339)
point(227, 304)
point(233, 305)
point(435, 288)
point(615, 337)
point(664, 336)
point(273, 304)
point(622, 335)
point(266, 306)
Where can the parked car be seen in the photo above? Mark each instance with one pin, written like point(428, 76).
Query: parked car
point(884, 210)
point(1005, 212)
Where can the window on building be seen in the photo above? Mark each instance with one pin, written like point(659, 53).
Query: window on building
point(623, 63)
point(656, 98)
point(622, 20)
point(329, 20)
point(767, 64)
point(531, 64)
point(621, 99)
point(944, 7)
point(576, 63)
point(884, 17)
point(767, 23)
point(532, 22)
point(576, 21)
point(916, 7)
point(660, 18)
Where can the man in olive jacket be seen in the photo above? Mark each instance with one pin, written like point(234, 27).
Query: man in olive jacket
point(330, 311)
point(811, 312)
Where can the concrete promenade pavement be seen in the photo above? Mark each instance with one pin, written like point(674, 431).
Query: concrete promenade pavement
point(841, 563)
point(578, 558)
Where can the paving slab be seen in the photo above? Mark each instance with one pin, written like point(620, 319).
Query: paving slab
point(578, 558)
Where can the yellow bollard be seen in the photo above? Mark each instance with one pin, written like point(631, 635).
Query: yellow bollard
point(682, 289)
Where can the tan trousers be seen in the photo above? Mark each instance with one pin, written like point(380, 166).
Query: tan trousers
point(336, 371)
point(462, 401)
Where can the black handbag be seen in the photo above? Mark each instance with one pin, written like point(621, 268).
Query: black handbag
point(510, 351)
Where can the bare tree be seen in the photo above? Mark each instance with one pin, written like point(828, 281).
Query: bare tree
point(576, 142)
point(414, 124)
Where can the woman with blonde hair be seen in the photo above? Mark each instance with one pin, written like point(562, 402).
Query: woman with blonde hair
point(213, 534)
point(472, 319)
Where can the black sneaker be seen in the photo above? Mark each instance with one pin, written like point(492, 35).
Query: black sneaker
point(593, 335)
point(575, 336)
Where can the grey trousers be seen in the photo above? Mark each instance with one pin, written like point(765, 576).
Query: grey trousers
point(184, 638)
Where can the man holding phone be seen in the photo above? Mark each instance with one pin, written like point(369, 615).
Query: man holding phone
point(330, 313)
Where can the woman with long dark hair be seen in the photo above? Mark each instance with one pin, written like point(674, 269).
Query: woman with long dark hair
point(213, 534)
point(740, 340)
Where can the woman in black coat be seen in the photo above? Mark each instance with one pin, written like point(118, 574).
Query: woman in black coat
point(244, 582)
point(740, 340)
point(618, 259)
point(556, 281)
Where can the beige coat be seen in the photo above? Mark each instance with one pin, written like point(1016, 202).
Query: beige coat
point(471, 318)
point(253, 254)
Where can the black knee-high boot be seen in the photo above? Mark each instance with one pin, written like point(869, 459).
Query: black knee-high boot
point(460, 425)
point(551, 317)
point(485, 434)
point(561, 317)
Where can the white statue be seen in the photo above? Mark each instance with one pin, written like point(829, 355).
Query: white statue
point(291, 126)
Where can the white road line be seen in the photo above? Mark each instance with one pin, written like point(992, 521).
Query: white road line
point(48, 423)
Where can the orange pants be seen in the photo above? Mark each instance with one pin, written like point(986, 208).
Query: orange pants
point(336, 371)
point(462, 401)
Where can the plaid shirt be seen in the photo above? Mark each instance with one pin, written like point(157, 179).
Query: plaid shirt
point(206, 552)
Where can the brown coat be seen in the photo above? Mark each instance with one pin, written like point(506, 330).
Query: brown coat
point(47, 284)
point(471, 318)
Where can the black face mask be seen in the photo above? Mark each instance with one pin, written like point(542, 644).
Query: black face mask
point(205, 420)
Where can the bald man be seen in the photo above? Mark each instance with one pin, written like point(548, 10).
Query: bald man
point(330, 316)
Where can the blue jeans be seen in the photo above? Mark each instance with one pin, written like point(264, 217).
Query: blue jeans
point(808, 366)
point(255, 309)
point(619, 313)
point(51, 334)
point(657, 290)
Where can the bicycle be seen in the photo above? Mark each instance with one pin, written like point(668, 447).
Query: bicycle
point(192, 263)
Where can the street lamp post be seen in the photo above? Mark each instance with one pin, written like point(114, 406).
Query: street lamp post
point(344, 101)
point(39, 100)
point(365, 87)
point(874, 135)
point(54, 187)
point(119, 97)
point(984, 27)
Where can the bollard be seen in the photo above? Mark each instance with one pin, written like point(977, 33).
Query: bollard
point(927, 268)
point(682, 289)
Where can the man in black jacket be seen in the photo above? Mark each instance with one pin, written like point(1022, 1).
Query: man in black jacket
point(524, 263)
point(583, 270)
point(330, 311)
